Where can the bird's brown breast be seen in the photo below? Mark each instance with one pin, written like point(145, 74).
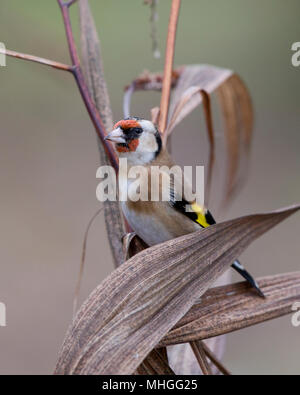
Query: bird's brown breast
point(156, 221)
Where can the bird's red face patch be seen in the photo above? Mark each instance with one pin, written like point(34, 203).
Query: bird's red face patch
point(130, 147)
point(127, 124)
point(132, 141)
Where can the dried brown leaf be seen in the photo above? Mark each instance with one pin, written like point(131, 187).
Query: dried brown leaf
point(157, 361)
point(133, 309)
point(94, 75)
point(237, 307)
point(181, 356)
point(186, 97)
point(237, 110)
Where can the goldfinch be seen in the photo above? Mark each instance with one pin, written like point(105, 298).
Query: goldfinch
point(139, 141)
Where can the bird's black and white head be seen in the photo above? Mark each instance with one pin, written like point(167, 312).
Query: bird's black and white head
point(136, 139)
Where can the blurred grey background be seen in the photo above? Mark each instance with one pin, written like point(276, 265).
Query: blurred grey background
point(49, 159)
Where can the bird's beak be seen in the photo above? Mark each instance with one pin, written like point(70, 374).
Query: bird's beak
point(117, 136)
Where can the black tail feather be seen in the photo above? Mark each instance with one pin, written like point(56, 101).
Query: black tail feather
point(247, 276)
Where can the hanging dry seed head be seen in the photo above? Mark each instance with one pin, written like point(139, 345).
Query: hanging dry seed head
point(153, 25)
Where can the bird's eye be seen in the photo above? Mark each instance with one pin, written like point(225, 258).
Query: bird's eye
point(137, 131)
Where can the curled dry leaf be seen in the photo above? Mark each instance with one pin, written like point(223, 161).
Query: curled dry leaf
point(192, 80)
point(237, 308)
point(146, 82)
point(93, 72)
point(237, 110)
point(130, 312)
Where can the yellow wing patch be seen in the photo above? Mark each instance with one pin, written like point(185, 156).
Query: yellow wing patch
point(201, 212)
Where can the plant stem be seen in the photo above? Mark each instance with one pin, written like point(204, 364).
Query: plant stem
point(37, 59)
point(169, 58)
point(214, 359)
point(78, 74)
point(201, 358)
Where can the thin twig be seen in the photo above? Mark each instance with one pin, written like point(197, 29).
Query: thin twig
point(201, 358)
point(214, 359)
point(70, 2)
point(82, 263)
point(75, 69)
point(169, 58)
point(210, 133)
point(37, 59)
point(78, 74)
